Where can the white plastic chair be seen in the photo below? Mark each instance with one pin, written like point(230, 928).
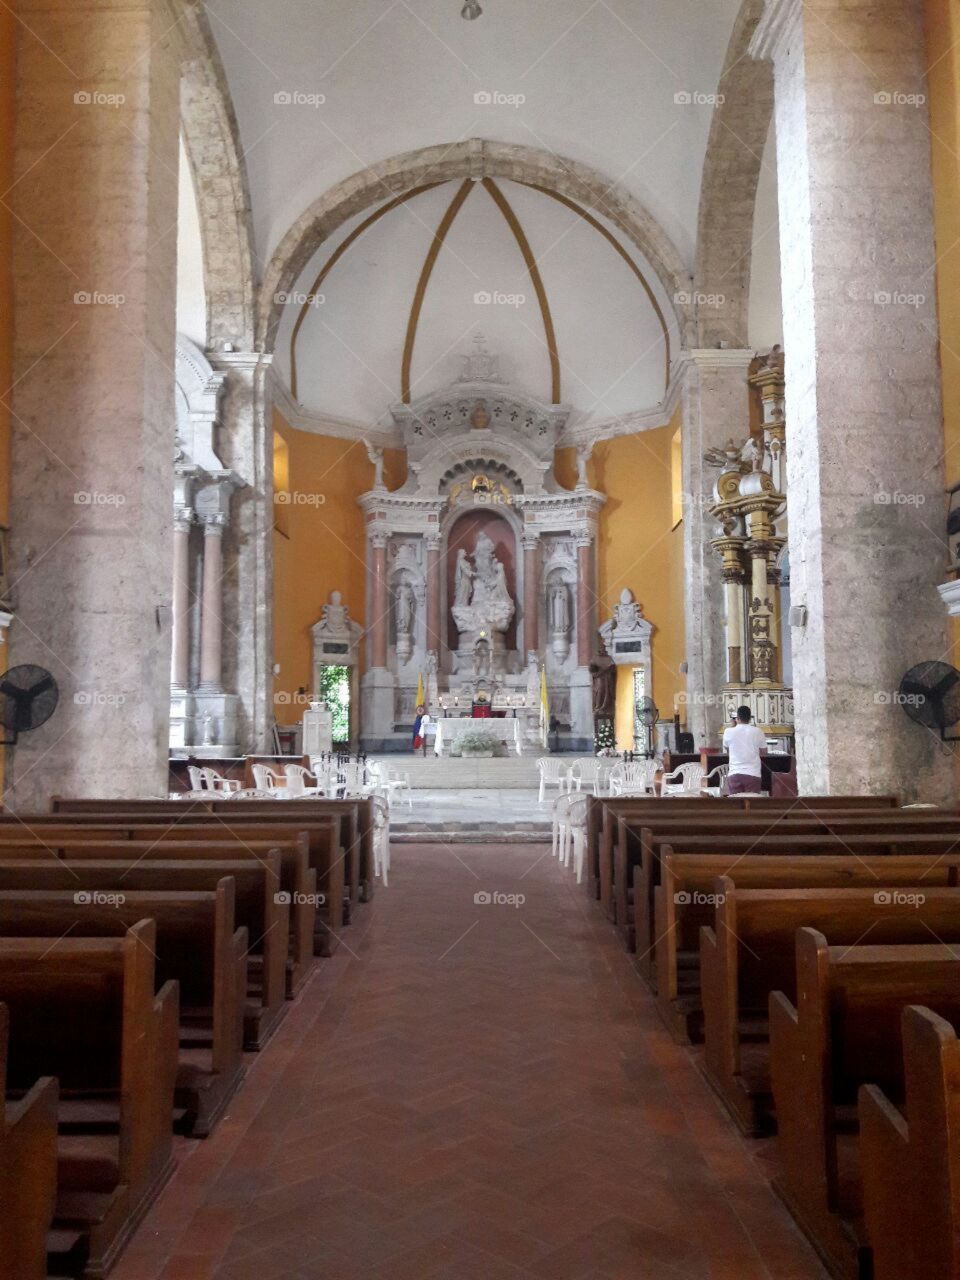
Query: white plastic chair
point(684, 781)
point(635, 778)
point(584, 771)
point(213, 781)
point(297, 776)
point(574, 835)
point(356, 783)
point(553, 773)
point(392, 782)
point(381, 839)
point(717, 781)
point(268, 783)
point(561, 810)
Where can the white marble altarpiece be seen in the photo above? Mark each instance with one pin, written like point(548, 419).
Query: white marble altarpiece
point(481, 567)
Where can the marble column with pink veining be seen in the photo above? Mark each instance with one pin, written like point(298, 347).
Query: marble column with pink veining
point(211, 605)
point(586, 608)
point(180, 655)
point(531, 583)
point(433, 595)
point(377, 627)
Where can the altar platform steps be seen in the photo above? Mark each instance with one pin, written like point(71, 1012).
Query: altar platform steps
point(402, 832)
point(448, 774)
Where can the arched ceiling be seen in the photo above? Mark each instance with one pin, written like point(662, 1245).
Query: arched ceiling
point(387, 305)
point(324, 90)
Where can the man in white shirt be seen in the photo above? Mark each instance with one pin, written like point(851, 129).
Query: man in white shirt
point(744, 744)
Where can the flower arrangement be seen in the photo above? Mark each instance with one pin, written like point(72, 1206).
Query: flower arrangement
point(476, 742)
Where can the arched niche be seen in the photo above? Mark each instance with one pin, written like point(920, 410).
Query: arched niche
point(501, 528)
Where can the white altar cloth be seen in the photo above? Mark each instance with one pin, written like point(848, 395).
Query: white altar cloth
point(450, 727)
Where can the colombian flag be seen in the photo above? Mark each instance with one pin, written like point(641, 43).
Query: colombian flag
point(417, 736)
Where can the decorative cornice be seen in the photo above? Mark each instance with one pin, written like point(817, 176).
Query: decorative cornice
point(778, 24)
point(383, 436)
point(713, 358)
point(240, 360)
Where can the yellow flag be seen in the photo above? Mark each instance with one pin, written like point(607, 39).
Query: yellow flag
point(544, 700)
point(421, 696)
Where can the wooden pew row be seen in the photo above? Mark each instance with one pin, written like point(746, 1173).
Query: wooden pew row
point(86, 1011)
point(197, 947)
point(843, 1032)
point(259, 908)
point(602, 813)
point(297, 880)
point(850, 838)
point(28, 1171)
point(749, 951)
point(325, 855)
point(629, 849)
point(685, 901)
point(909, 1161)
point(355, 815)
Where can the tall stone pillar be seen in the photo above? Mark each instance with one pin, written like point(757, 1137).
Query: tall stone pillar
point(378, 683)
point(245, 444)
point(94, 267)
point(586, 603)
point(211, 606)
point(864, 426)
point(433, 595)
point(715, 409)
point(180, 665)
point(531, 591)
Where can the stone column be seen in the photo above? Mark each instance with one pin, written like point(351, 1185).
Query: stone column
point(245, 444)
point(433, 595)
point(377, 629)
point(531, 591)
point(94, 266)
point(180, 666)
point(211, 605)
point(715, 408)
point(586, 603)
point(864, 424)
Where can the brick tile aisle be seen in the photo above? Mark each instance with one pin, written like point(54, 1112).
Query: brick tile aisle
point(479, 1092)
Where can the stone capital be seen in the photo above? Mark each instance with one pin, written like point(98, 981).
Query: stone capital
point(214, 523)
point(779, 23)
point(183, 519)
point(713, 358)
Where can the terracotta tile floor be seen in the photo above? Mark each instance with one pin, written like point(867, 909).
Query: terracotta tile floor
point(472, 1091)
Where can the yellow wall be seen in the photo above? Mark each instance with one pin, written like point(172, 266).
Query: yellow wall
point(639, 548)
point(324, 549)
point(8, 36)
point(943, 58)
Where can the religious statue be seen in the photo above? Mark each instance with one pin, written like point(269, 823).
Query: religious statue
point(480, 419)
point(481, 658)
point(334, 613)
point(533, 678)
point(604, 675)
point(376, 457)
point(559, 607)
point(406, 608)
point(583, 457)
point(463, 580)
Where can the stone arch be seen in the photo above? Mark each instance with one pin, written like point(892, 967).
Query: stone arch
point(728, 191)
point(473, 158)
point(212, 141)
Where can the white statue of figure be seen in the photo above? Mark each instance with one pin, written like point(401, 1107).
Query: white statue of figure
point(463, 580)
point(335, 613)
point(432, 662)
point(583, 457)
point(490, 579)
point(406, 608)
point(559, 607)
point(376, 457)
point(533, 678)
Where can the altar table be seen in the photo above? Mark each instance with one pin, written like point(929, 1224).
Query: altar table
point(450, 727)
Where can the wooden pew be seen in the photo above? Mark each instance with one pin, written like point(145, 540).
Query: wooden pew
point(685, 902)
point(197, 946)
point(211, 842)
point(749, 952)
point(837, 836)
point(909, 1163)
point(844, 1031)
point(86, 1011)
point(699, 808)
point(259, 908)
point(28, 1172)
point(355, 815)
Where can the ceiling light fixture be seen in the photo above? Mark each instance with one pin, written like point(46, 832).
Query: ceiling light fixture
point(471, 10)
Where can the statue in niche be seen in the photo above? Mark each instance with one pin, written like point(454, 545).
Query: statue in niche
point(406, 605)
point(482, 601)
point(463, 580)
point(558, 607)
point(583, 457)
point(481, 659)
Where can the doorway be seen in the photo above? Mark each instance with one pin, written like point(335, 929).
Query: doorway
point(333, 688)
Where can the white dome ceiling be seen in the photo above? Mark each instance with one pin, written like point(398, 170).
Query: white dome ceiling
point(382, 325)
